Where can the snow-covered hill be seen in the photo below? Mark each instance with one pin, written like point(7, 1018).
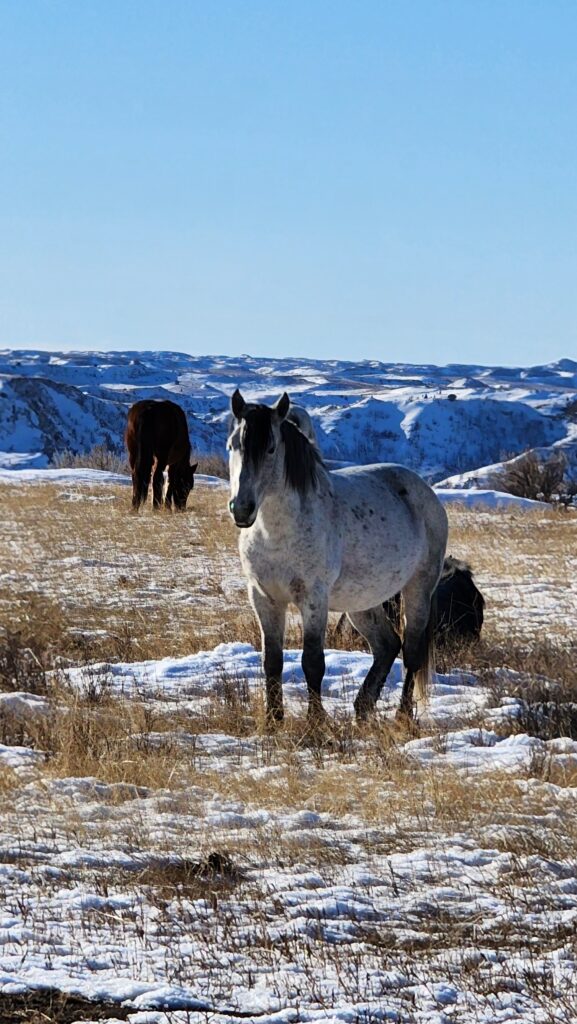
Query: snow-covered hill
point(441, 421)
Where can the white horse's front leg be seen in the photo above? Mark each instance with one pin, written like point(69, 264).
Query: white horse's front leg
point(314, 610)
point(271, 616)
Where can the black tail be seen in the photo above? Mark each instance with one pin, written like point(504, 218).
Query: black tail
point(142, 464)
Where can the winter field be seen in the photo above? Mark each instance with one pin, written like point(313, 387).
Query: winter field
point(451, 423)
point(168, 858)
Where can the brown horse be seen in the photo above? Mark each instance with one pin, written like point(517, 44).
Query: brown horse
point(157, 433)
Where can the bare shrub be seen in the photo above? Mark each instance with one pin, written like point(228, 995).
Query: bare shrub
point(531, 476)
point(99, 457)
point(213, 464)
point(548, 719)
point(22, 663)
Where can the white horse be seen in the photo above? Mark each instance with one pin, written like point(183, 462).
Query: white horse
point(342, 541)
point(302, 419)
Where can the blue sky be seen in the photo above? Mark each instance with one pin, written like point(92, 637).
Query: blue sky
point(380, 180)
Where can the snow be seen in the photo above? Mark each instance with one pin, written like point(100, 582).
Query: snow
point(62, 476)
point(192, 680)
point(81, 477)
point(375, 875)
point(177, 959)
point(483, 497)
point(442, 421)
point(23, 707)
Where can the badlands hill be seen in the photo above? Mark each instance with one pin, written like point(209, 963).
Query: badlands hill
point(443, 421)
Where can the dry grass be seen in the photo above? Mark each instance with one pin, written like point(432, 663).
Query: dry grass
point(111, 743)
point(524, 563)
point(344, 772)
point(99, 457)
point(80, 575)
point(49, 1006)
point(84, 579)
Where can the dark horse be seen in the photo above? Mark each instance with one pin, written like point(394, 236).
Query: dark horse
point(459, 606)
point(157, 433)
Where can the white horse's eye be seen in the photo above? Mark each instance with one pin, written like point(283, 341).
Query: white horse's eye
point(272, 449)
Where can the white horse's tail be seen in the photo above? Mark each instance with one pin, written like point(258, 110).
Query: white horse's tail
point(424, 677)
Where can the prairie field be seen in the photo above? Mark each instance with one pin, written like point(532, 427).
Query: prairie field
point(165, 858)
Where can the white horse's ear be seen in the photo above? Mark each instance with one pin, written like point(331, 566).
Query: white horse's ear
point(237, 404)
point(282, 406)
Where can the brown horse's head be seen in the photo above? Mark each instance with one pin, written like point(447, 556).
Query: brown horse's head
point(183, 485)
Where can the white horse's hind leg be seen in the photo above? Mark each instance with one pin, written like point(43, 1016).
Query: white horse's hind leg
point(271, 617)
point(385, 644)
point(418, 641)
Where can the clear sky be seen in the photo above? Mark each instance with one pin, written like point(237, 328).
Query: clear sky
point(382, 179)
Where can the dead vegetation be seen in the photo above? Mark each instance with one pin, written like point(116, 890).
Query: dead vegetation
point(541, 479)
point(50, 1006)
point(83, 580)
point(82, 577)
point(524, 564)
point(116, 461)
point(100, 456)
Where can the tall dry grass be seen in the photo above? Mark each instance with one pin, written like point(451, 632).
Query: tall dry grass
point(81, 576)
point(83, 579)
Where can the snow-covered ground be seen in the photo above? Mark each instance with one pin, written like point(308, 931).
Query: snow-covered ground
point(77, 477)
point(441, 421)
point(326, 904)
point(161, 849)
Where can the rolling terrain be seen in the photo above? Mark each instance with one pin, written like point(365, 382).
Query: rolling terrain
point(441, 421)
point(166, 858)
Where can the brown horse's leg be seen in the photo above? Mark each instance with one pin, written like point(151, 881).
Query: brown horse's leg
point(135, 492)
point(168, 497)
point(140, 482)
point(170, 491)
point(157, 484)
point(135, 499)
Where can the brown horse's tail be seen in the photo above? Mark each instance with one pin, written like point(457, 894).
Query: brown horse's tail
point(424, 676)
point(138, 442)
point(142, 459)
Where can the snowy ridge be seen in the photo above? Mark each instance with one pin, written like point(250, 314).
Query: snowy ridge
point(441, 421)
